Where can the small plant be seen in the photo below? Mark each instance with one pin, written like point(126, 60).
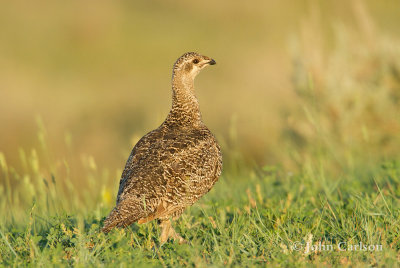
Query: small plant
point(349, 98)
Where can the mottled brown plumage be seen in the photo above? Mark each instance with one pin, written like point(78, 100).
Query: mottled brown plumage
point(171, 167)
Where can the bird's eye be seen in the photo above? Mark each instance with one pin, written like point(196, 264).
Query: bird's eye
point(195, 61)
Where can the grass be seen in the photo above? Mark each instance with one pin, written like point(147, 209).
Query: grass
point(321, 107)
point(261, 217)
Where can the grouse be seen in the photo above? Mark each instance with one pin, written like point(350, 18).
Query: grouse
point(171, 167)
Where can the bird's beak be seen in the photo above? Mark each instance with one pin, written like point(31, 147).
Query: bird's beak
point(212, 62)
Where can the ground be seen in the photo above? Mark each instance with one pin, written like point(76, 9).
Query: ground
point(271, 217)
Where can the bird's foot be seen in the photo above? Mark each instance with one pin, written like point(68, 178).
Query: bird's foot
point(179, 238)
point(168, 232)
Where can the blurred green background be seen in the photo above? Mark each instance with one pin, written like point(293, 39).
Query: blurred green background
point(296, 83)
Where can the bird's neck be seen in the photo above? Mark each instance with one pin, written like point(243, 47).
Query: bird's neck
point(185, 109)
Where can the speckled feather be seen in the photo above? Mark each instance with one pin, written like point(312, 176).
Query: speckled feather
point(171, 167)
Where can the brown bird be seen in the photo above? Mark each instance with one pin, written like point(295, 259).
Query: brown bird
point(171, 167)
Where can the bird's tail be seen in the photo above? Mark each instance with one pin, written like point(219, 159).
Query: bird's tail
point(122, 216)
point(111, 221)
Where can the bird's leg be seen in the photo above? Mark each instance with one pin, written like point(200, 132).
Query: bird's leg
point(165, 229)
point(168, 231)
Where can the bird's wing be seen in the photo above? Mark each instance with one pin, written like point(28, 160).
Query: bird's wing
point(143, 156)
point(193, 165)
point(169, 171)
